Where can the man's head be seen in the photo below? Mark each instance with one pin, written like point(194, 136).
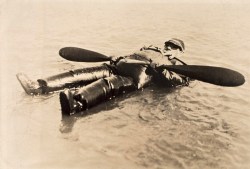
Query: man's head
point(174, 47)
point(175, 44)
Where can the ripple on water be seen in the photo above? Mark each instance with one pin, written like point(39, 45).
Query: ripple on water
point(181, 144)
point(187, 131)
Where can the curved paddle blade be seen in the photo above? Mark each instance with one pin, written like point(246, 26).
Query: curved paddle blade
point(82, 55)
point(214, 75)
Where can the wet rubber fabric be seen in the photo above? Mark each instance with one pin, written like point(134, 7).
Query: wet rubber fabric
point(81, 77)
point(138, 72)
point(74, 78)
point(76, 100)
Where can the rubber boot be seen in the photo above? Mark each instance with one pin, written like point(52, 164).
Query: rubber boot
point(94, 93)
point(68, 104)
point(75, 78)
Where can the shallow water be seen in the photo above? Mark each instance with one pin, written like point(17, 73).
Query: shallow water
point(202, 126)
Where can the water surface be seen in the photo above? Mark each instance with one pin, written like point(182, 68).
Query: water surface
point(202, 126)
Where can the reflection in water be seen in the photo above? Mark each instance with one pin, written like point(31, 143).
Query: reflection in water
point(68, 122)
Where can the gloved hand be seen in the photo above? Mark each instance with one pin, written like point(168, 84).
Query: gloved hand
point(116, 59)
point(151, 69)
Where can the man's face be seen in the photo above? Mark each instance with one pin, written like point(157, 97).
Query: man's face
point(171, 51)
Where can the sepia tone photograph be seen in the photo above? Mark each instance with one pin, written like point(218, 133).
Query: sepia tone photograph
point(124, 84)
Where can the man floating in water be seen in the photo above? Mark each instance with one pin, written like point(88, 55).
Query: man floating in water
point(87, 87)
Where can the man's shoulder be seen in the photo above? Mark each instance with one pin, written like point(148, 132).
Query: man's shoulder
point(151, 47)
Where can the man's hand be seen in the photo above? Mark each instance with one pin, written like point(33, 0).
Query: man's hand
point(151, 69)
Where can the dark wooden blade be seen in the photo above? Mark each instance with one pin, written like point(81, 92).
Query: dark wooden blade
point(210, 74)
point(82, 55)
